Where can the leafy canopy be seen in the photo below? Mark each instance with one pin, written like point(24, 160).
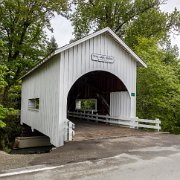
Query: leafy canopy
point(22, 26)
point(158, 86)
point(120, 15)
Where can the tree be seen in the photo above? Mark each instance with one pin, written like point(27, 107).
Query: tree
point(119, 15)
point(3, 83)
point(151, 24)
point(52, 45)
point(158, 87)
point(22, 26)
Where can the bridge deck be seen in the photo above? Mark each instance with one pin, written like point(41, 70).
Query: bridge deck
point(85, 130)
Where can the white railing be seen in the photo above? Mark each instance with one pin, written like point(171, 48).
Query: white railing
point(131, 122)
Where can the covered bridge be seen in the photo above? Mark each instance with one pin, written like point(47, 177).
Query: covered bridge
point(99, 69)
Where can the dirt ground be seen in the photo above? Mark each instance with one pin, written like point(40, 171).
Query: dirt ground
point(92, 141)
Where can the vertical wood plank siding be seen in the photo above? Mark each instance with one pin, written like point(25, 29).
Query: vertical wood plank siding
point(52, 82)
point(43, 84)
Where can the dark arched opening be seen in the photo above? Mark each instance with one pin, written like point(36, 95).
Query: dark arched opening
point(95, 85)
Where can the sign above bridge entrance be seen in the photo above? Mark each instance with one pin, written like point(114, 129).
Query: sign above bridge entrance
point(102, 58)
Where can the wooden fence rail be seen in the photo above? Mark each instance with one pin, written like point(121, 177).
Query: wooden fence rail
point(131, 122)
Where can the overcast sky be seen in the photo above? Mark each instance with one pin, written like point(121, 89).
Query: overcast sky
point(63, 29)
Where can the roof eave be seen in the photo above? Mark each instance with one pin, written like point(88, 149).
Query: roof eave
point(131, 52)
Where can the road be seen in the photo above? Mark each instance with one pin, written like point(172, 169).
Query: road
point(136, 165)
point(154, 157)
point(101, 152)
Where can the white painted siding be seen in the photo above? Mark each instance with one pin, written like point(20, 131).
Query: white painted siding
point(120, 104)
point(52, 82)
point(43, 84)
point(124, 67)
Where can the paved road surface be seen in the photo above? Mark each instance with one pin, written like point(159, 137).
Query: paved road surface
point(101, 152)
point(155, 157)
point(136, 165)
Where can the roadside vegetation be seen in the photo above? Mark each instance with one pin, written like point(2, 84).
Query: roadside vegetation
point(140, 23)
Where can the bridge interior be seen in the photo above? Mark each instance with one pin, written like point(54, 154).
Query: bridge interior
point(95, 85)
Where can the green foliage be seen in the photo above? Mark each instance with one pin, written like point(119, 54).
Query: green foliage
point(11, 129)
point(158, 87)
point(3, 83)
point(52, 45)
point(124, 17)
point(2, 116)
point(2, 124)
point(88, 104)
point(3, 71)
point(4, 112)
point(151, 24)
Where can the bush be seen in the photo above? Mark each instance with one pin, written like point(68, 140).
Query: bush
point(9, 127)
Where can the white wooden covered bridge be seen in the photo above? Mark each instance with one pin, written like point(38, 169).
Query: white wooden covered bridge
point(99, 69)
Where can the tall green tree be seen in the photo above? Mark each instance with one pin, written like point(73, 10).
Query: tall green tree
point(158, 86)
point(3, 83)
point(153, 24)
point(120, 15)
point(22, 24)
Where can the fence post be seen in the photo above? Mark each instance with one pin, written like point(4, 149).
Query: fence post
point(106, 120)
point(157, 124)
point(87, 117)
point(84, 115)
point(137, 123)
point(132, 123)
point(97, 117)
point(66, 130)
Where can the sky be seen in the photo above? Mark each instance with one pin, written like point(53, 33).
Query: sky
point(63, 29)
